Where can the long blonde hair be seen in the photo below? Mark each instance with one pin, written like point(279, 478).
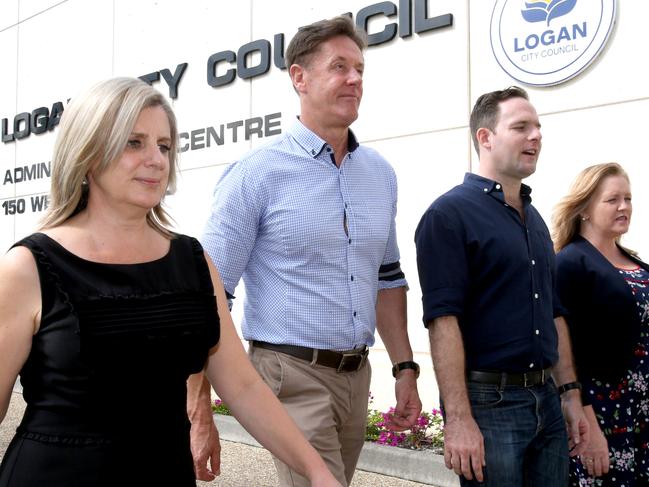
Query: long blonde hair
point(566, 217)
point(93, 133)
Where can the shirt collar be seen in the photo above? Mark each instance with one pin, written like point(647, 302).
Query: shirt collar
point(494, 188)
point(313, 144)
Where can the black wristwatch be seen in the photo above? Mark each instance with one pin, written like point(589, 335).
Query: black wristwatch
point(396, 368)
point(568, 387)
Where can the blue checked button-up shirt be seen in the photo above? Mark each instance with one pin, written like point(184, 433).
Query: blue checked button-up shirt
point(313, 242)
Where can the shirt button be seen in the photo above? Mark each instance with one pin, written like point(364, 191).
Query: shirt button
point(354, 313)
point(533, 262)
point(313, 152)
point(536, 296)
point(531, 365)
point(497, 186)
point(506, 205)
point(350, 240)
point(352, 278)
point(537, 332)
point(486, 190)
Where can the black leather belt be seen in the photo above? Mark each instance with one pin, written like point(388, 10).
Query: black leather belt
point(341, 361)
point(525, 379)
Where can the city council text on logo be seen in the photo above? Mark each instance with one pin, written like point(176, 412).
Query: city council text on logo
point(547, 42)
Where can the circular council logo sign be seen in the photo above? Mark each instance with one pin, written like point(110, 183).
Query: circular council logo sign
point(548, 42)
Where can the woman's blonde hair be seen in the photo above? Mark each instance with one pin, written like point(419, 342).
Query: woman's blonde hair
point(566, 218)
point(93, 133)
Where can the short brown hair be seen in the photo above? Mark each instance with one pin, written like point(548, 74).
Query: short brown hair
point(309, 38)
point(487, 109)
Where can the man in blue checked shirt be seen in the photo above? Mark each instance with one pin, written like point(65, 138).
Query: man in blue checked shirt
point(308, 222)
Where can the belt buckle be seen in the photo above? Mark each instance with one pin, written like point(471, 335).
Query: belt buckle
point(351, 362)
point(531, 382)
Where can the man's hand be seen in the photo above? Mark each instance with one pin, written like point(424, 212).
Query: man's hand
point(206, 450)
point(576, 422)
point(595, 457)
point(563, 372)
point(464, 448)
point(408, 406)
point(204, 438)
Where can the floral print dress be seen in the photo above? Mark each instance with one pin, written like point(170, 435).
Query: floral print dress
point(623, 408)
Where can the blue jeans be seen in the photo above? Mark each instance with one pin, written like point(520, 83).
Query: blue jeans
point(524, 432)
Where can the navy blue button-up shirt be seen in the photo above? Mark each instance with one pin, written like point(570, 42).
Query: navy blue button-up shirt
point(479, 261)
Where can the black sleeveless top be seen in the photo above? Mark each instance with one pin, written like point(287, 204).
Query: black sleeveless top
point(116, 343)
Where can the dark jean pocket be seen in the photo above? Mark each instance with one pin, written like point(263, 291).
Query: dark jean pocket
point(484, 395)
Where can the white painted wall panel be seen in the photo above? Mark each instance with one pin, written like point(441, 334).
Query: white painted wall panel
point(431, 165)
point(8, 14)
point(63, 51)
point(9, 43)
point(426, 74)
point(31, 8)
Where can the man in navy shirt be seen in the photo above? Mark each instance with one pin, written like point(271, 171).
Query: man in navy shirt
point(498, 343)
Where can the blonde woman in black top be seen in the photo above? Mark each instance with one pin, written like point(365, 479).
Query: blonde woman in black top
point(105, 312)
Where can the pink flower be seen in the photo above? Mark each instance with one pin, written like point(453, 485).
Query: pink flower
point(422, 421)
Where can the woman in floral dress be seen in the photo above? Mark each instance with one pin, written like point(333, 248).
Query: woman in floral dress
point(605, 290)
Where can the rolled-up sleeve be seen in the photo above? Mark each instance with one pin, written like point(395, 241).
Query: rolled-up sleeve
point(390, 273)
point(442, 264)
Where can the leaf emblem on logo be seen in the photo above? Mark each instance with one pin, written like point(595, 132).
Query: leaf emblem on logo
point(542, 11)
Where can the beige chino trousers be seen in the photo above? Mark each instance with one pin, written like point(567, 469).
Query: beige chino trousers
point(329, 407)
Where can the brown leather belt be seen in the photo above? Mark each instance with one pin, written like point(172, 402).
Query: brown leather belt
point(525, 379)
point(349, 361)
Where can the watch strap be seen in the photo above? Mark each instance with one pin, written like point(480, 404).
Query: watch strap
point(408, 364)
point(568, 387)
